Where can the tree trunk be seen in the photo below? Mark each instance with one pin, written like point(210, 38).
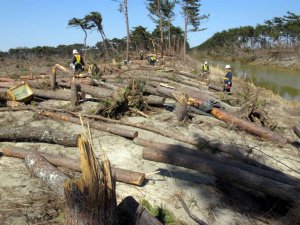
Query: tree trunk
point(53, 82)
point(35, 134)
point(161, 29)
point(154, 100)
point(50, 94)
point(185, 34)
point(74, 94)
point(297, 130)
point(181, 108)
point(264, 172)
point(91, 198)
point(122, 175)
point(127, 29)
point(49, 174)
point(250, 127)
point(99, 126)
point(225, 172)
point(129, 211)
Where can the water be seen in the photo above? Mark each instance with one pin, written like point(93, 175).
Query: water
point(286, 83)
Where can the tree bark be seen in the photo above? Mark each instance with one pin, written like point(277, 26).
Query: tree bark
point(250, 127)
point(122, 175)
point(50, 94)
point(154, 100)
point(99, 126)
point(297, 130)
point(35, 134)
point(129, 211)
point(74, 94)
point(268, 173)
point(49, 174)
point(127, 29)
point(53, 82)
point(225, 172)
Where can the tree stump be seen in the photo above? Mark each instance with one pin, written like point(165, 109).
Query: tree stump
point(91, 199)
point(181, 108)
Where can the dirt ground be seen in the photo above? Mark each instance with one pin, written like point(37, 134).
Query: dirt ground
point(24, 199)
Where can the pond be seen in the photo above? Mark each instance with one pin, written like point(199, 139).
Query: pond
point(286, 83)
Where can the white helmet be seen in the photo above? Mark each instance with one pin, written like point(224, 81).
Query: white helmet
point(75, 52)
point(227, 67)
point(205, 62)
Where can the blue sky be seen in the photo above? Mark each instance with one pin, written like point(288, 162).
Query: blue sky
point(29, 23)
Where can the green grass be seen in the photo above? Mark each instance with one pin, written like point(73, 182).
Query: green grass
point(162, 214)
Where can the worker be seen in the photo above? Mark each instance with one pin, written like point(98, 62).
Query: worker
point(227, 79)
point(152, 60)
point(205, 67)
point(77, 62)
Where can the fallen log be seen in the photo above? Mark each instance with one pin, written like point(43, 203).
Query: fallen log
point(49, 174)
point(52, 94)
point(38, 134)
point(187, 74)
point(215, 88)
point(261, 171)
point(250, 127)
point(129, 211)
point(99, 126)
point(297, 130)
point(105, 84)
point(121, 175)
point(225, 172)
point(154, 100)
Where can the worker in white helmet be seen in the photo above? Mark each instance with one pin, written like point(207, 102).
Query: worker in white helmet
point(205, 67)
point(77, 62)
point(227, 79)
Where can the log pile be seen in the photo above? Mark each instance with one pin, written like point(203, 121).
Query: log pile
point(135, 95)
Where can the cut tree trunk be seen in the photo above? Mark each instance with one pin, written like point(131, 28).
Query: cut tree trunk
point(154, 100)
point(215, 88)
point(261, 171)
point(99, 126)
point(41, 168)
point(250, 127)
point(129, 211)
point(74, 94)
point(297, 130)
point(121, 175)
point(35, 134)
point(50, 94)
point(91, 198)
point(225, 172)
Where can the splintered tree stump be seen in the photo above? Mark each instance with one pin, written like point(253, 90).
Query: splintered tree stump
point(129, 211)
point(53, 82)
point(38, 134)
point(91, 198)
point(181, 108)
point(49, 174)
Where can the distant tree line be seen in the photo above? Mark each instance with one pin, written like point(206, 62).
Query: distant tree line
point(279, 32)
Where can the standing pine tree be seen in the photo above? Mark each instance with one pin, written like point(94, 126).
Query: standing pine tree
point(192, 17)
point(155, 13)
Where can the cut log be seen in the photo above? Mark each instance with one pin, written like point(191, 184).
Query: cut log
point(129, 211)
point(187, 74)
point(250, 127)
point(154, 100)
point(99, 126)
point(269, 173)
point(297, 130)
point(38, 134)
point(51, 94)
point(91, 198)
point(105, 85)
point(225, 172)
point(215, 88)
point(122, 175)
point(49, 174)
